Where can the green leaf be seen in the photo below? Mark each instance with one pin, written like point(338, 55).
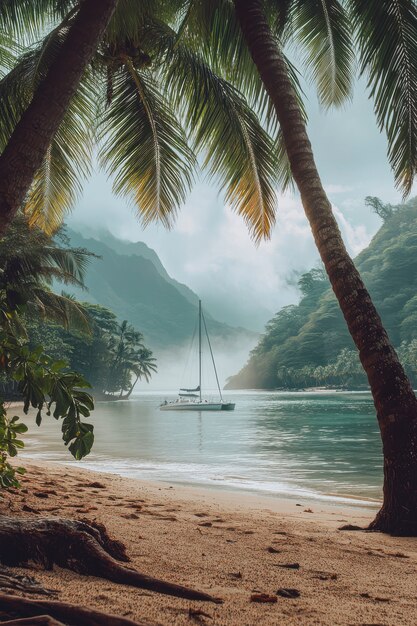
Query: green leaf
point(323, 29)
point(387, 42)
point(81, 446)
point(20, 428)
point(11, 449)
point(145, 148)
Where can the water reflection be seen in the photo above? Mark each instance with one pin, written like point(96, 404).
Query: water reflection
point(294, 443)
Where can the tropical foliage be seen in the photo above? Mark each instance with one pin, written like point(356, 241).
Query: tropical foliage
point(152, 101)
point(112, 356)
point(308, 344)
point(30, 262)
point(333, 41)
point(48, 342)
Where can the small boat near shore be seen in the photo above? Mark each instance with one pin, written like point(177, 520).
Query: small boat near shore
point(192, 399)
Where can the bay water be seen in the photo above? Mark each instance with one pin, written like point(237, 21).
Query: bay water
point(323, 445)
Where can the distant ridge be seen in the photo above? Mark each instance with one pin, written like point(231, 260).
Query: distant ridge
point(139, 248)
point(130, 279)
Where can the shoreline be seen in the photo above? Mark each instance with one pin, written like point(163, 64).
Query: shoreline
point(230, 545)
point(242, 499)
point(320, 498)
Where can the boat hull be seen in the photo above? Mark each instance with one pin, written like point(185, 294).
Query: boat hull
point(197, 406)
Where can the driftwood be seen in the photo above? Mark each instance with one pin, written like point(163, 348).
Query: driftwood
point(82, 547)
point(58, 613)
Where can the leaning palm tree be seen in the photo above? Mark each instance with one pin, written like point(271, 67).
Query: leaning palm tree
point(30, 141)
point(126, 104)
point(201, 61)
point(248, 36)
point(130, 357)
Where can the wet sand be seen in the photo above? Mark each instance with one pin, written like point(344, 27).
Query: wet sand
point(231, 545)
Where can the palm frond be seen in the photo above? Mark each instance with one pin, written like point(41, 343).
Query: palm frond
point(58, 182)
point(323, 29)
point(237, 151)
point(8, 51)
point(212, 30)
point(131, 15)
point(15, 95)
point(387, 40)
point(28, 257)
point(27, 20)
point(60, 309)
point(145, 147)
point(68, 265)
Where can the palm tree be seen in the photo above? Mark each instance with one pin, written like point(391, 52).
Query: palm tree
point(215, 111)
point(141, 364)
point(30, 262)
point(130, 357)
point(249, 36)
point(30, 141)
point(153, 104)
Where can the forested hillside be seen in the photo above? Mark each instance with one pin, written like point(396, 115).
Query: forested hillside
point(130, 280)
point(308, 344)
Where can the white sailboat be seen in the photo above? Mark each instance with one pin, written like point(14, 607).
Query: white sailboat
point(192, 399)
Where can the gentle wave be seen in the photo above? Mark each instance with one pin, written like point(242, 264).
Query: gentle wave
point(311, 445)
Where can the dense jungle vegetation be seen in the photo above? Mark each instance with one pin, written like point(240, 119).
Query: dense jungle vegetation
point(82, 337)
point(308, 344)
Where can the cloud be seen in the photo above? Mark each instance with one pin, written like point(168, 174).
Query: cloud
point(356, 237)
point(209, 247)
point(336, 189)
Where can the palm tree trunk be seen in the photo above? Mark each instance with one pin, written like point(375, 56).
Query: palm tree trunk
point(28, 145)
point(129, 393)
point(394, 399)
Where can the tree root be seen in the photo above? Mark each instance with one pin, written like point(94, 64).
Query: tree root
point(82, 547)
point(58, 613)
point(394, 524)
point(26, 584)
point(40, 620)
point(352, 527)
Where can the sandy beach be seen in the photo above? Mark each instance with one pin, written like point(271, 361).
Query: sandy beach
point(231, 545)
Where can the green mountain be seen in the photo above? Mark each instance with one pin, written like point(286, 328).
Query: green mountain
point(139, 248)
point(130, 280)
point(309, 342)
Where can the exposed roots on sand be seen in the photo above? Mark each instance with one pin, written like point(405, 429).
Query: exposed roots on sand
point(81, 546)
point(52, 613)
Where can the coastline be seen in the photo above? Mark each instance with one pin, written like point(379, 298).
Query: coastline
point(229, 544)
point(258, 493)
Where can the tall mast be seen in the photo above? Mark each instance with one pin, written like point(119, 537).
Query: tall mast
point(212, 356)
point(199, 347)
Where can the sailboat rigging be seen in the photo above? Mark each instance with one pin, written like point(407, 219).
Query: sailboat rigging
point(192, 399)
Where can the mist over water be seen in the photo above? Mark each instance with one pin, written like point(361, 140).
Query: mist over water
point(305, 445)
point(178, 367)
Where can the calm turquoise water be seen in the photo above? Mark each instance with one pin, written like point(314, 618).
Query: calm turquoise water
point(301, 444)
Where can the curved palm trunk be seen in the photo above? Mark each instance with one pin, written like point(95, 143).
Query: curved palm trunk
point(395, 402)
point(28, 145)
point(129, 393)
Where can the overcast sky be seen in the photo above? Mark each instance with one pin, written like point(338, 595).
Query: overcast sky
point(209, 248)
